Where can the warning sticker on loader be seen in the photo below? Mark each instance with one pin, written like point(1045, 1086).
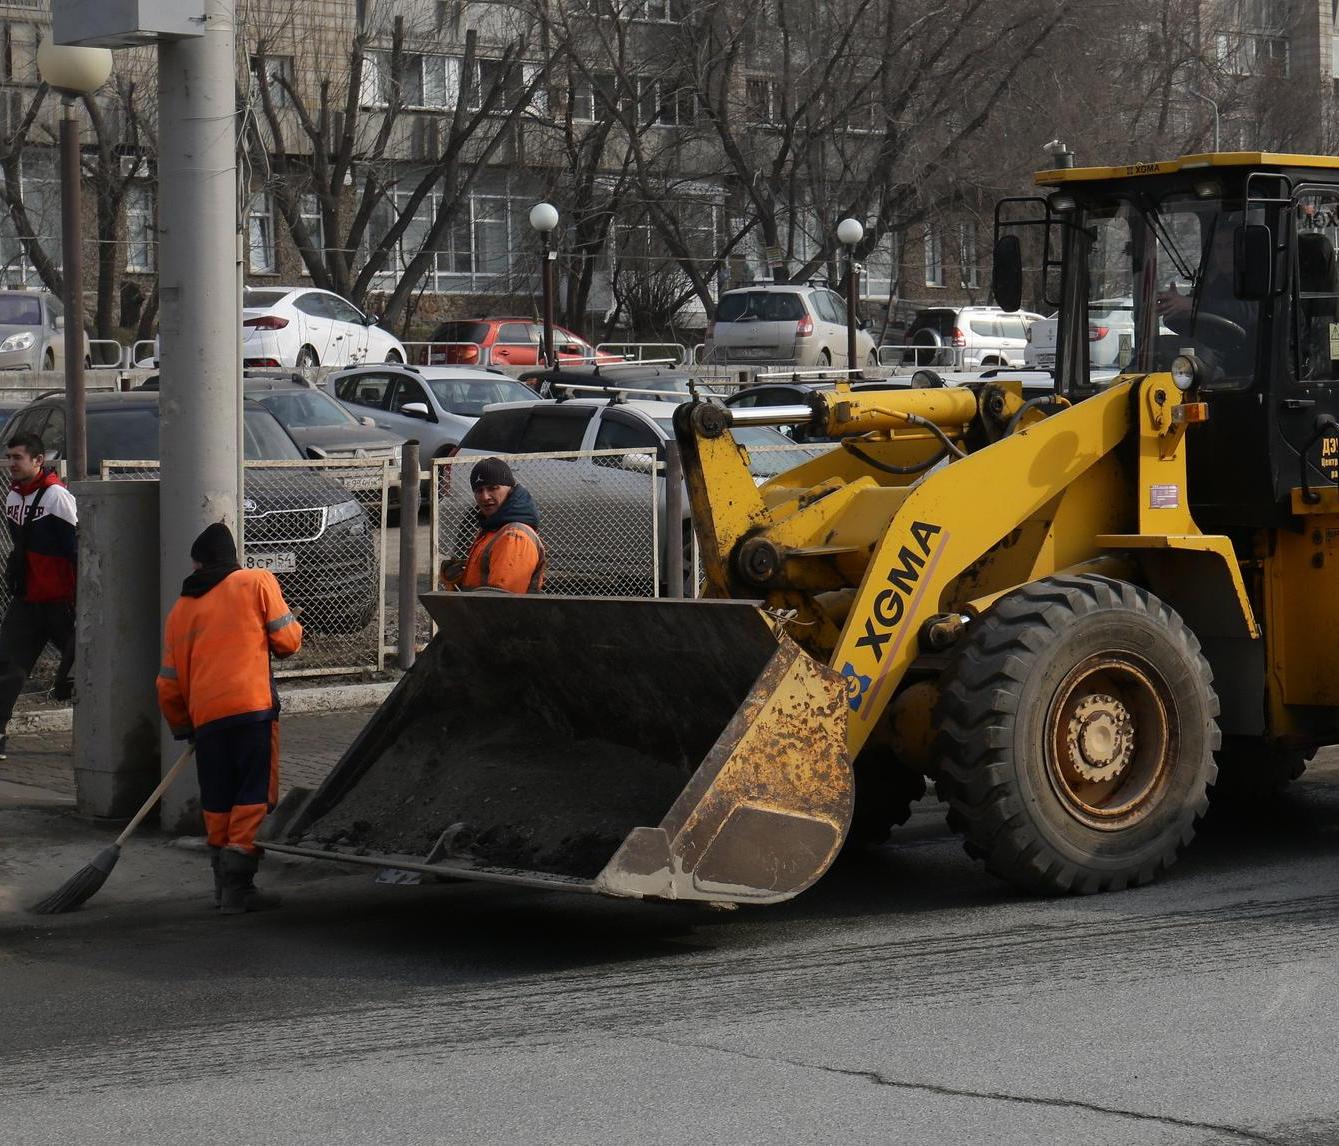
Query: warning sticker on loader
point(1164, 497)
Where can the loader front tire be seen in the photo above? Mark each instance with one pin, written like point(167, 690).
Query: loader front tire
point(1077, 731)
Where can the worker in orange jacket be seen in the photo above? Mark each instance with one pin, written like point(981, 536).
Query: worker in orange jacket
point(508, 553)
point(215, 688)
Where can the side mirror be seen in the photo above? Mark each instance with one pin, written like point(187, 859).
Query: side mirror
point(371, 319)
point(366, 421)
point(60, 322)
point(416, 410)
point(639, 463)
point(1253, 262)
point(1007, 272)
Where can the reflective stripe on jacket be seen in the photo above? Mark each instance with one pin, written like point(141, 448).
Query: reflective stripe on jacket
point(216, 652)
point(510, 558)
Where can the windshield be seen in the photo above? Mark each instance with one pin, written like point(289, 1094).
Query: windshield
point(305, 409)
point(19, 311)
point(132, 435)
point(468, 397)
point(1174, 253)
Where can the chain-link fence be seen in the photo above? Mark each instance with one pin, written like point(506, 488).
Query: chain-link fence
point(601, 518)
point(320, 528)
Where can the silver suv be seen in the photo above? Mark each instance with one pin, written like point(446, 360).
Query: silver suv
point(968, 337)
point(803, 324)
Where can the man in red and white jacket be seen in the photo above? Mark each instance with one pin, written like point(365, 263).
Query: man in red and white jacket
point(40, 573)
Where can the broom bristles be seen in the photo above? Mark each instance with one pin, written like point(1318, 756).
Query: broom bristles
point(82, 886)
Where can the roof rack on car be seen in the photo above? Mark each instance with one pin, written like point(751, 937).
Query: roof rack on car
point(618, 393)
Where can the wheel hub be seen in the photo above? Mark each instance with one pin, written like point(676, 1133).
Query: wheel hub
point(1100, 738)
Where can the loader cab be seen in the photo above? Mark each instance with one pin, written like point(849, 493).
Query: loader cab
point(1228, 259)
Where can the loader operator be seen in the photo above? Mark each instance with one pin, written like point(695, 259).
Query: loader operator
point(1212, 313)
point(508, 553)
point(215, 689)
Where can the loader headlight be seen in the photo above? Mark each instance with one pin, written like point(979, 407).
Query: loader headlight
point(1186, 371)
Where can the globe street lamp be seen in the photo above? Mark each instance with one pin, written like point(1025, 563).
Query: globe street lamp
point(544, 218)
point(73, 72)
point(849, 233)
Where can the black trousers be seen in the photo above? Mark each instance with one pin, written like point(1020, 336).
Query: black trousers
point(24, 633)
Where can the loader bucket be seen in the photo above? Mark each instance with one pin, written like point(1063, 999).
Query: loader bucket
point(629, 747)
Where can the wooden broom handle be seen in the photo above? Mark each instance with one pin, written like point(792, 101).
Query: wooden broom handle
point(156, 794)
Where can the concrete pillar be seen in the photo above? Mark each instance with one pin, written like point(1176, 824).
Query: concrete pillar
point(200, 388)
point(116, 762)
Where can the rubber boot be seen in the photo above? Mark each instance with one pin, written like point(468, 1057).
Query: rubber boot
point(240, 893)
point(214, 854)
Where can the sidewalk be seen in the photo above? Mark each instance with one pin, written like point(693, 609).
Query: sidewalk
point(43, 842)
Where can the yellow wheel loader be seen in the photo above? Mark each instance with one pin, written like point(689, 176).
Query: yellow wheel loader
point(1084, 615)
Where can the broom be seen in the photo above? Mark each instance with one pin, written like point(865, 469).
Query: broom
point(85, 883)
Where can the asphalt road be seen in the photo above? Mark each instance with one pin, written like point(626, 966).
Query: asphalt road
point(907, 998)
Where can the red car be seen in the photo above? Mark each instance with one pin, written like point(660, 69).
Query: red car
point(505, 342)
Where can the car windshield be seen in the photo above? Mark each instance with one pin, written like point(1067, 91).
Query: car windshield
point(256, 299)
point(131, 434)
point(468, 396)
point(770, 451)
point(305, 409)
point(461, 332)
point(760, 305)
point(19, 311)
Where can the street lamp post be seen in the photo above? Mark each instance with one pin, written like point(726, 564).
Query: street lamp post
point(849, 233)
point(544, 218)
point(73, 72)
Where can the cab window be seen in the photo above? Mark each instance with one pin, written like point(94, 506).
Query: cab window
point(1315, 341)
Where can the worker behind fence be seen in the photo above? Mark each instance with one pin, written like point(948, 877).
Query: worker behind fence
point(39, 573)
point(508, 553)
point(216, 689)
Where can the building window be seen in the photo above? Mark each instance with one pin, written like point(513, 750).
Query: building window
point(934, 257)
point(141, 242)
point(967, 255)
point(260, 235)
point(1253, 54)
point(310, 209)
point(762, 100)
point(666, 102)
point(441, 81)
point(277, 78)
point(658, 11)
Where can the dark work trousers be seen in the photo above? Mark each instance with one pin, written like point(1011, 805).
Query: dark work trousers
point(238, 766)
point(24, 633)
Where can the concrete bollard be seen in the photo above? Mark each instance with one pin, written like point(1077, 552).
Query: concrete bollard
point(118, 643)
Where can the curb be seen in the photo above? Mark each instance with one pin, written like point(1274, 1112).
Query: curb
point(336, 698)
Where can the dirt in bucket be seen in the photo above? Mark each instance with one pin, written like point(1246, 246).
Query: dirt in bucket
point(535, 802)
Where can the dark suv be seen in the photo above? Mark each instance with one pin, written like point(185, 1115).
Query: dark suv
point(308, 530)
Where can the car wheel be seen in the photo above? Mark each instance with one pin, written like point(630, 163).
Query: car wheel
point(49, 361)
point(394, 356)
point(307, 359)
point(824, 359)
point(872, 360)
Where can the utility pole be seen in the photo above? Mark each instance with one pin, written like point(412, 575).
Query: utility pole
point(200, 404)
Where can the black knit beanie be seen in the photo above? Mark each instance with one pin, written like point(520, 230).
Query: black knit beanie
point(491, 471)
point(215, 546)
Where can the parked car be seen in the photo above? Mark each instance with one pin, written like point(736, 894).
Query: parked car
point(324, 429)
point(302, 327)
point(435, 404)
point(308, 530)
point(968, 337)
point(655, 383)
point(506, 342)
point(1110, 336)
point(32, 331)
point(595, 512)
point(799, 323)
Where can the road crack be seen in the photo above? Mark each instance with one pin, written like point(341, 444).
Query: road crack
point(878, 1078)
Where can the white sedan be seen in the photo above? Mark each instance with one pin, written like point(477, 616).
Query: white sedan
point(301, 327)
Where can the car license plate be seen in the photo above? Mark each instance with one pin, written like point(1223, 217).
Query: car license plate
point(283, 561)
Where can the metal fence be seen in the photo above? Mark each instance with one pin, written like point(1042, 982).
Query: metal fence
point(320, 528)
point(601, 518)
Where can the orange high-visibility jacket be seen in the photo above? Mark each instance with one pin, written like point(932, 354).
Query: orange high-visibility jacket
point(510, 558)
point(216, 652)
